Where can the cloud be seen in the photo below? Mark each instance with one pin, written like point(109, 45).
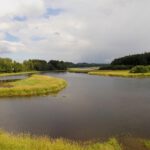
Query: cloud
point(29, 8)
point(10, 47)
point(75, 30)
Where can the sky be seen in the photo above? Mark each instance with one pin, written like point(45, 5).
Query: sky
point(94, 31)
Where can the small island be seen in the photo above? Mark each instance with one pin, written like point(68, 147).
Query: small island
point(32, 86)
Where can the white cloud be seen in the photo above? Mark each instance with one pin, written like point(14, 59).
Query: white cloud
point(9, 8)
point(95, 31)
point(10, 47)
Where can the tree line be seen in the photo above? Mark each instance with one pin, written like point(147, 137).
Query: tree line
point(133, 60)
point(8, 65)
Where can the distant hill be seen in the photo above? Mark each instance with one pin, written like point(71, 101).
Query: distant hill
point(133, 60)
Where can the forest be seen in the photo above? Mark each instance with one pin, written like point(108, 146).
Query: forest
point(9, 65)
point(133, 60)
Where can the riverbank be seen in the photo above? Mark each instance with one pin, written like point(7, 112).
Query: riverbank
point(82, 70)
point(26, 142)
point(119, 73)
point(9, 141)
point(19, 73)
point(32, 86)
point(113, 73)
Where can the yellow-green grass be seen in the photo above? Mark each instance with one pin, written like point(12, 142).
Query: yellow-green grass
point(27, 142)
point(34, 85)
point(18, 73)
point(146, 143)
point(82, 70)
point(119, 73)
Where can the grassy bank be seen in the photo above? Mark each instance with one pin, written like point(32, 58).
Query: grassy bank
point(82, 70)
point(18, 73)
point(26, 142)
point(34, 85)
point(113, 73)
point(119, 73)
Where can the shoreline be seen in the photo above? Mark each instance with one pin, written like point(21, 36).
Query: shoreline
point(110, 73)
point(30, 142)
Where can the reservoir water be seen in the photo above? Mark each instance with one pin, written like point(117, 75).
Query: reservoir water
point(91, 107)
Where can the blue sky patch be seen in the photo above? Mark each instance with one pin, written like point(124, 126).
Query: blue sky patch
point(53, 12)
point(20, 18)
point(11, 38)
point(37, 38)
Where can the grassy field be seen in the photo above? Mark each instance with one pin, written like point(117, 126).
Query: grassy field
point(34, 85)
point(26, 142)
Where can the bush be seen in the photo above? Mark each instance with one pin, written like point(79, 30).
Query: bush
point(140, 69)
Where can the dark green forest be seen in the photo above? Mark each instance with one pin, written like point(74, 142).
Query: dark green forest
point(133, 60)
point(129, 62)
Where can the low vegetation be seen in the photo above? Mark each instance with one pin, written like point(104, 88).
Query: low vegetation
point(140, 69)
point(82, 70)
point(26, 142)
point(9, 141)
point(113, 73)
point(119, 73)
point(146, 143)
point(34, 85)
point(19, 73)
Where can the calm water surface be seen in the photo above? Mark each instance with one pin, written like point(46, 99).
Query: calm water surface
point(91, 107)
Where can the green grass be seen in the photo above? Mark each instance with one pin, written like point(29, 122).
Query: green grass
point(34, 85)
point(113, 73)
point(18, 73)
point(82, 70)
point(147, 143)
point(119, 73)
point(26, 142)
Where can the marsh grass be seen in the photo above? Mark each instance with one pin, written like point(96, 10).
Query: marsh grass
point(82, 70)
point(27, 142)
point(19, 73)
point(119, 73)
point(113, 73)
point(32, 86)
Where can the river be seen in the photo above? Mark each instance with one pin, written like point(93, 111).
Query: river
point(91, 107)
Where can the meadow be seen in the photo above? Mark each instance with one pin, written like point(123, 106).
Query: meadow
point(32, 86)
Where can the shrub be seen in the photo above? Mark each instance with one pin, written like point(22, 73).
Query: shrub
point(140, 69)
